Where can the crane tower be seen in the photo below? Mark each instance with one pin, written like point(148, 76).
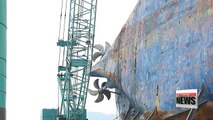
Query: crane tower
point(75, 41)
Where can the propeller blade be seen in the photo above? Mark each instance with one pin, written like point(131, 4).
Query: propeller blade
point(100, 98)
point(99, 47)
point(103, 84)
point(96, 55)
point(92, 92)
point(96, 84)
point(107, 46)
point(107, 94)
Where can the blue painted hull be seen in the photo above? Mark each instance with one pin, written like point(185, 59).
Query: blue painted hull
point(165, 43)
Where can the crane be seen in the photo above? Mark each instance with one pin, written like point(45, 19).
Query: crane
point(75, 42)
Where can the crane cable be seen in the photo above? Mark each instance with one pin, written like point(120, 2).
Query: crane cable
point(59, 36)
point(64, 29)
point(59, 48)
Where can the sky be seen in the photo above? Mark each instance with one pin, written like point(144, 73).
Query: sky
point(32, 53)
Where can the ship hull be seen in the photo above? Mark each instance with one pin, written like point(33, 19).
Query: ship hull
point(164, 43)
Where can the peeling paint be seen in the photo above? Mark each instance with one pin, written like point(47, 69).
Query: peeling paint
point(167, 43)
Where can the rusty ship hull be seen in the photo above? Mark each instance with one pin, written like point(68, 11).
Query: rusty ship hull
point(165, 43)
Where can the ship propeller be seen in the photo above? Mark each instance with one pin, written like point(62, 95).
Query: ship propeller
point(101, 50)
point(101, 91)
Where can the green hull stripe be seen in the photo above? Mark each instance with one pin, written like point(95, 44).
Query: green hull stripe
point(3, 11)
point(2, 42)
point(3, 27)
point(2, 67)
point(2, 83)
point(2, 99)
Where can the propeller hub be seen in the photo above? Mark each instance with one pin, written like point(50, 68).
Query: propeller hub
point(101, 91)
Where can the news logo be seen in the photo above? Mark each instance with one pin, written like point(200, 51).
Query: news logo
point(187, 98)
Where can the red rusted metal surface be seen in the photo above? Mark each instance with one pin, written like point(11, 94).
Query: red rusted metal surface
point(165, 43)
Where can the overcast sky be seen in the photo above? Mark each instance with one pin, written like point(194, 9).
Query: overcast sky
point(32, 53)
